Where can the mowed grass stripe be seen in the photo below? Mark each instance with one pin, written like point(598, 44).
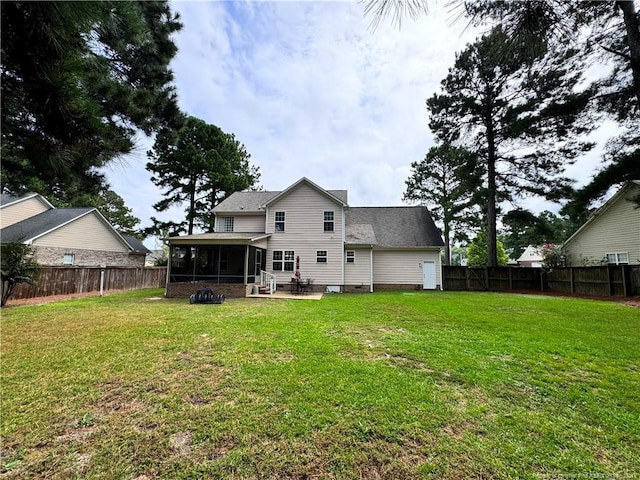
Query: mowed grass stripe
point(390, 385)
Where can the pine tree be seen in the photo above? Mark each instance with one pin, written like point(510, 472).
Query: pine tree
point(198, 165)
point(93, 74)
point(444, 182)
point(520, 117)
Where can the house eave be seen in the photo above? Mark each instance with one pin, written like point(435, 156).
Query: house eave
point(217, 239)
point(600, 211)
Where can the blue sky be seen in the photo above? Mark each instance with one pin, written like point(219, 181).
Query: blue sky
point(311, 90)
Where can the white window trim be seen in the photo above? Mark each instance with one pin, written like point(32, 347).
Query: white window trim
point(618, 260)
point(284, 259)
point(320, 257)
point(283, 221)
point(225, 223)
point(350, 255)
point(325, 221)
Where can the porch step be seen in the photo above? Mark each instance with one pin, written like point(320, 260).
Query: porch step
point(263, 290)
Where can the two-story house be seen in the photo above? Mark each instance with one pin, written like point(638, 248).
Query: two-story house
point(267, 237)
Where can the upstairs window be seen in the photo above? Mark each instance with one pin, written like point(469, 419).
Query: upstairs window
point(321, 256)
point(618, 258)
point(279, 225)
point(351, 256)
point(68, 259)
point(328, 221)
point(226, 224)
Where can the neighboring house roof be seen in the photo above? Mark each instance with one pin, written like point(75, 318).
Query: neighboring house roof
point(338, 196)
point(531, 254)
point(394, 226)
point(136, 245)
point(35, 227)
point(595, 215)
point(7, 199)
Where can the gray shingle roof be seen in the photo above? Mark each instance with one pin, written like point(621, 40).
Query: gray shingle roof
point(394, 226)
point(254, 201)
point(245, 202)
point(136, 244)
point(38, 224)
point(360, 234)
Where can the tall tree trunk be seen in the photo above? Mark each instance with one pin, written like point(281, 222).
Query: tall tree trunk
point(492, 251)
point(192, 202)
point(447, 243)
point(633, 41)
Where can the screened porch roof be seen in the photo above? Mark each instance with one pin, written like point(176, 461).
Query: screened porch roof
point(218, 238)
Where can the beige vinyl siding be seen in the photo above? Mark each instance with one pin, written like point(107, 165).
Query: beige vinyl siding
point(21, 211)
point(248, 224)
point(304, 233)
point(358, 272)
point(85, 233)
point(403, 266)
point(616, 230)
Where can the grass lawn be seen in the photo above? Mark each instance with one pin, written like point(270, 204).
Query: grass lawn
point(391, 385)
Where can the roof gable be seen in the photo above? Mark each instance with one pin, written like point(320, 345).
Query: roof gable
point(620, 195)
point(6, 199)
point(40, 225)
point(531, 254)
point(331, 194)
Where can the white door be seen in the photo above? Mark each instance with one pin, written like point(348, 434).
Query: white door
point(429, 275)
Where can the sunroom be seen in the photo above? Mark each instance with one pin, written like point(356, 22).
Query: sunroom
point(228, 263)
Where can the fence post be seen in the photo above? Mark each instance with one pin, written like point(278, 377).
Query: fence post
point(626, 280)
point(572, 280)
point(610, 280)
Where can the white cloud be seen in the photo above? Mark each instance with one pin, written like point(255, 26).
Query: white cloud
point(311, 91)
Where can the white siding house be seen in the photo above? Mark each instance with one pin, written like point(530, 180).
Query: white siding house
point(16, 209)
point(67, 236)
point(611, 235)
point(313, 232)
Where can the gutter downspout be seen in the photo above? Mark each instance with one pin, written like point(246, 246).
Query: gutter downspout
point(344, 239)
point(246, 265)
point(371, 269)
point(440, 263)
point(166, 282)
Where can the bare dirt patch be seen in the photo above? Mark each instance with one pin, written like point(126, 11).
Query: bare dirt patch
point(56, 298)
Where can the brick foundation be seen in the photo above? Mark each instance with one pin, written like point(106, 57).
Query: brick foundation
point(390, 287)
point(356, 288)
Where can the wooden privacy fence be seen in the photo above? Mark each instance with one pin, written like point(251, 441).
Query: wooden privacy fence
point(606, 280)
point(70, 280)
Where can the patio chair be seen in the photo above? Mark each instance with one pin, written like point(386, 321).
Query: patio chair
point(305, 286)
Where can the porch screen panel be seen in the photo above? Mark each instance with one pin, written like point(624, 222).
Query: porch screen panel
point(232, 263)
